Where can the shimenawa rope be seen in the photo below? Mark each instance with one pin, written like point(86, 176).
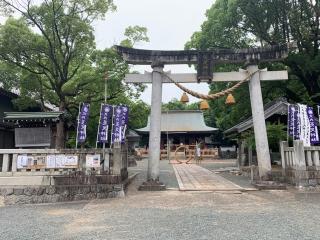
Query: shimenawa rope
point(210, 96)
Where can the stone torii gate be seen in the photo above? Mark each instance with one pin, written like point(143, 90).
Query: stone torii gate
point(205, 61)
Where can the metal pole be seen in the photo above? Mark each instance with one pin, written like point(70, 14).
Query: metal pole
point(105, 101)
point(78, 126)
point(168, 145)
point(98, 128)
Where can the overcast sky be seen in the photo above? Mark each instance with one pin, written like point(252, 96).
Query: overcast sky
point(170, 24)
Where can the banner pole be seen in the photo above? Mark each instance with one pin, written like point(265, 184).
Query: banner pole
point(97, 139)
point(105, 102)
point(78, 126)
point(288, 123)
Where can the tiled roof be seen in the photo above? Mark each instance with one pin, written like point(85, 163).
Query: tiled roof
point(181, 122)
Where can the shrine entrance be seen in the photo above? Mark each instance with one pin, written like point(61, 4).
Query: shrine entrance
point(205, 61)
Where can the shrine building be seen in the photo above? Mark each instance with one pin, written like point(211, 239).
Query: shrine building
point(181, 127)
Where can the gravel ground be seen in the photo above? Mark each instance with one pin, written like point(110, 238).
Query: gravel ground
point(170, 215)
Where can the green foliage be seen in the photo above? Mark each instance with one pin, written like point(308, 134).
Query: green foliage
point(250, 23)
point(220, 29)
point(135, 34)
point(50, 53)
point(276, 133)
point(175, 104)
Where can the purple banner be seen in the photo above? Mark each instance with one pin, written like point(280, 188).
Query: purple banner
point(293, 121)
point(116, 131)
point(124, 123)
point(297, 125)
point(82, 122)
point(120, 122)
point(314, 136)
point(105, 117)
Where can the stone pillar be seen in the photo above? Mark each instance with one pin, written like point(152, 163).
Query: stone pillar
point(5, 163)
point(117, 159)
point(106, 162)
point(259, 124)
point(301, 175)
point(155, 124)
point(239, 154)
point(283, 144)
point(155, 131)
point(243, 157)
point(299, 155)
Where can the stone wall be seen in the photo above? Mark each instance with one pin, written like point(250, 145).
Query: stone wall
point(65, 188)
point(303, 178)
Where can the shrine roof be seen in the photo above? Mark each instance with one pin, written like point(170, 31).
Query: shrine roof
point(181, 122)
point(32, 116)
point(279, 106)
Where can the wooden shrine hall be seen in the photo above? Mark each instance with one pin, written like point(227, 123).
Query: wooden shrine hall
point(181, 127)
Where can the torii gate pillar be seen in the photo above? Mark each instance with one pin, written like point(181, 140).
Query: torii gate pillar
point(155, 124)
point(259, 124)
point(153, 182)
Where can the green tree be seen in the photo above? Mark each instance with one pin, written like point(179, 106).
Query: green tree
point(243, 23)
point(175, 104)
point(52, 42)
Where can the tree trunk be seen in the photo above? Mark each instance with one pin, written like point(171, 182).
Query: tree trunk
point(61, 133)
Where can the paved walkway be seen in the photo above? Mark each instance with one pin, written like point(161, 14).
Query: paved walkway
point(192, 177)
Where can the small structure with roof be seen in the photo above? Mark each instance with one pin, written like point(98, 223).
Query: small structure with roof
point(182, 127)
point(34, 129)
point(274, 112)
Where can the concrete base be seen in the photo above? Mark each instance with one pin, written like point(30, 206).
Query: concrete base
point(152, 186)
point(269, 185)
point(26, 181)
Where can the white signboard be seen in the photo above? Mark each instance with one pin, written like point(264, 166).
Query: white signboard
point(71, 161)
point(93, 161)
point(51, 161)
point(62, 161)
point(22, 161)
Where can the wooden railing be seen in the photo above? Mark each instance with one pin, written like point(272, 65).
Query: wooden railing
point(38, 162)
point(300, 157)
point(210, 153)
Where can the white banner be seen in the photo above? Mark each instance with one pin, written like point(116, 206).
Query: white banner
point(305, 125)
